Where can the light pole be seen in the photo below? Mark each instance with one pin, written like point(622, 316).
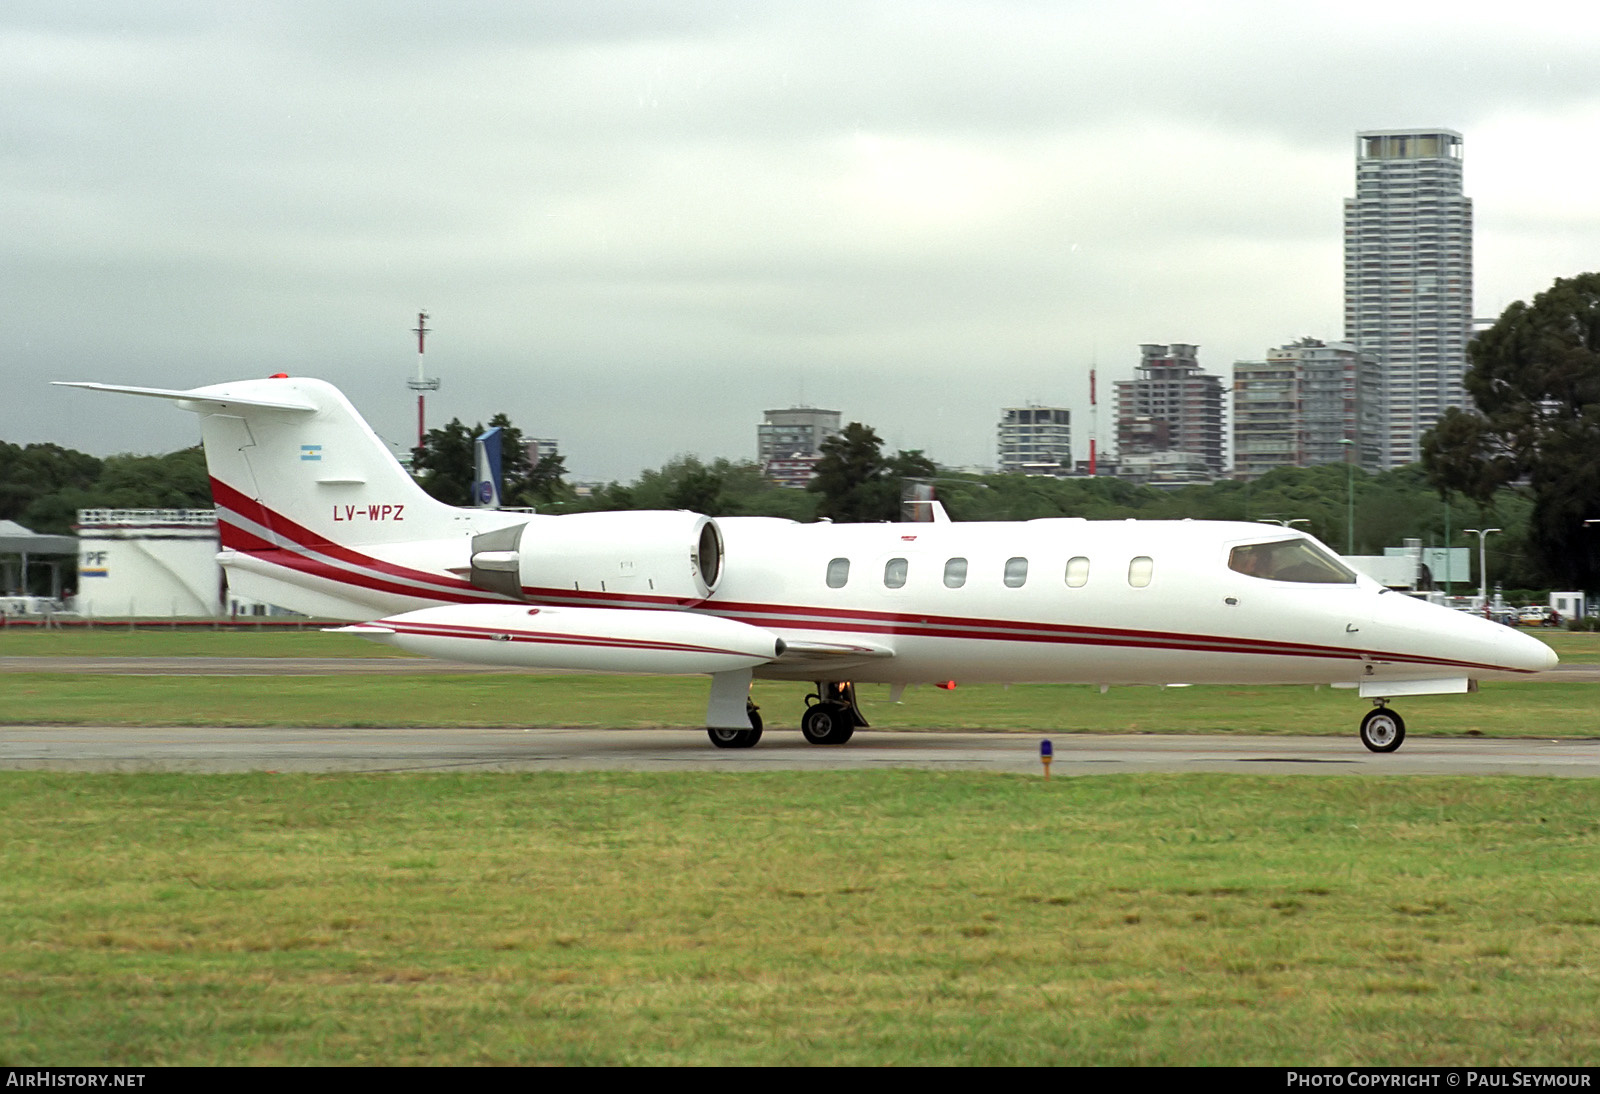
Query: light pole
point(1483, 571)
point(1349, 498)
point(1583, 604)
point(1448, 574)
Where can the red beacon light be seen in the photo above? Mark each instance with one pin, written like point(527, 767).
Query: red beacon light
point(279, 376)
point(947, 685)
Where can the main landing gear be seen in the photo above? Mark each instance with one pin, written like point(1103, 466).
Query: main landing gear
point(739, 738)
point(831, 718)
point(832, 714)
point(1382, 730)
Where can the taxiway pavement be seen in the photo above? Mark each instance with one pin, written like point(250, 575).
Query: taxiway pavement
point(205, 749)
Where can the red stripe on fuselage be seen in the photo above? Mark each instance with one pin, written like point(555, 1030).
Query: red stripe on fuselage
point(308, 539)
point(314, 567)
point(1140, 640)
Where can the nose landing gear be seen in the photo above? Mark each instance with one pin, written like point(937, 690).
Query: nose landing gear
point(1382, 730)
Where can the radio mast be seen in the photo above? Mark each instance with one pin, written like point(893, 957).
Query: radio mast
point(1094, 423)
point(422, 383)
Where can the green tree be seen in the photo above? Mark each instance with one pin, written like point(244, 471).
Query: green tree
point(683, 482)
point(38, 471)
point(720, 488)
point(178, 480)
point(544, 482)
point(446, 464)
point(443, 463)
point(1535, 383)
point(523, 481)
point(857, 482)
point(43, 486)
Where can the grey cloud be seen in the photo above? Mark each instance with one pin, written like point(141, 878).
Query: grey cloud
point(641, 224)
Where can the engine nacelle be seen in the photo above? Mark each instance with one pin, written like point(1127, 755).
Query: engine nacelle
point(654, 555)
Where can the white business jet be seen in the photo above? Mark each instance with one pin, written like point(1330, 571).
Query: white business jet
point(317, 516)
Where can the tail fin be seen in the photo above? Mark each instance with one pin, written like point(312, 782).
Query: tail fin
point(290, 458)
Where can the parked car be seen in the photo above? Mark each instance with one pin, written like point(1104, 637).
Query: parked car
point(1535, 616)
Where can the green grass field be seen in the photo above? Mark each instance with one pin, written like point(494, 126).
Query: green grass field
point(877, 918)
point(1573, 647)
point(113, 641)
point(1500, 709)
point(628, 702)
point(842, 918)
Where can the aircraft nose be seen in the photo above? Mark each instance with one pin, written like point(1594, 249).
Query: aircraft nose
point(1460, 637)
point(1525, 652)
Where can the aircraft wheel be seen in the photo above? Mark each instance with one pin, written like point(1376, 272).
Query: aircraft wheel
point(827, 724)
point(1382, 730)
point(737, 738)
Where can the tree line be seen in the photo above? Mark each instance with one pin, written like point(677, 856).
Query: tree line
point(42, 486)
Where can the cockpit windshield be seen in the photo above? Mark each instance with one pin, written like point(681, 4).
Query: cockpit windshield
point(1290, 560)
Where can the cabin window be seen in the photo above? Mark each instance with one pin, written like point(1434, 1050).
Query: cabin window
point(838, 573)
point(894, 573)
point(1077, 572)
point(1139, 571)
point(1016, 572)
point(1291, 560)
point(955, 573)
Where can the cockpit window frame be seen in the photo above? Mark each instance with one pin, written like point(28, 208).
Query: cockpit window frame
point(1291, 559)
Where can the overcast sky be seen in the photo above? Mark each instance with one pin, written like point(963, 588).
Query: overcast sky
point(638, 225)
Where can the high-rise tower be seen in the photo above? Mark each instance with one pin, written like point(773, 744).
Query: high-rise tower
point(1408, 276)
point(1298, 407)
point(1171, 406)
point(1036, 440)
point(789, 443)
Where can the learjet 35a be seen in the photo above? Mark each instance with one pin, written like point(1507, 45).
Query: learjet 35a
point(317, 516)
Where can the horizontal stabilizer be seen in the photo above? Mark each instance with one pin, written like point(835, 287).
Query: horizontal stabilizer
point(203, 396)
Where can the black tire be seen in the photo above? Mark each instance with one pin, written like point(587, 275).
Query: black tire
point(1382, 730)
point(737, 738)
point(828, 724)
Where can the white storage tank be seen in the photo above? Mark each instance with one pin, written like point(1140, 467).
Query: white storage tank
point(143, 563)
